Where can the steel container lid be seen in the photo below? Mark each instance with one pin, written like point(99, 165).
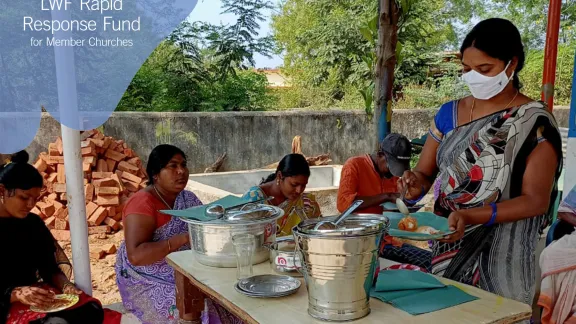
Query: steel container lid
point(353, 225)
point(255, 214)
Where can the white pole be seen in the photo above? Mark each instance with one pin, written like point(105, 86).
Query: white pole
point(68, 113)
point(570, 172)
point(77, 209)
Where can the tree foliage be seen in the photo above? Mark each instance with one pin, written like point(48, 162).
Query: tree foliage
point(205, 67)
point(329, 47)
point(330, 44)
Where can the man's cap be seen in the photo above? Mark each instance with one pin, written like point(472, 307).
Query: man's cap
point(398, 151)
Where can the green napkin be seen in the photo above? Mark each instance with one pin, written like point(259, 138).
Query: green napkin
point(402, 279)
point(199, 212)
point(416, 292)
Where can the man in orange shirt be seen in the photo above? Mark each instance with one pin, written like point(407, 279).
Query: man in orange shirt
point(373, 177)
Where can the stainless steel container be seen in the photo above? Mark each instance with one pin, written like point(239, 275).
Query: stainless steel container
point(282, 254)
point(212, 240)
point(338, 265)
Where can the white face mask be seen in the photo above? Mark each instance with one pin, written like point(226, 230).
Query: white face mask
point(485, 87)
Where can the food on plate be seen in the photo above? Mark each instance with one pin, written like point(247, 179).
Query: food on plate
point(424, 245)
point(408, 223)
point(54, 304)
point(427, 230)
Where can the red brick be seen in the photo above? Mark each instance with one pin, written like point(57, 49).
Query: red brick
point(41, 165)
point(62, 213)
point(55, 160)
point(59, 188)
point(107, 200)
point(60, 145)
point(131, 186)
point(131, 177)
point(101, 166)
point(98, 217)
point(112, 223)
point(111, 211)
point(103, 191)
point(91, 160)
point(111, 165)
point(86, 134)
point(118, 217)
point(46, 208)
point(101, 175)
point(89, 192)
point(61, 224)
point(97, 142)
point(88, 151)
point(116, 178)
point(57, 205)
point(61, 176)
point(50, 221)
point(109, 248)
point(61, 235)
point(52, 177)
point(90, 209)
point(97, 254)
point(107, 142)
point(116, 156)
point(104, 183)
point(53, 149)
point(86, 168)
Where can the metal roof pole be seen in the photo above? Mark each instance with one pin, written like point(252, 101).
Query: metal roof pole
point(551, 52)
point(570, 172)
point(68, 113)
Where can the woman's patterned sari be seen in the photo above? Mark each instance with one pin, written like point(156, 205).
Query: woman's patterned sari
point(484, 162)
point(150, 291)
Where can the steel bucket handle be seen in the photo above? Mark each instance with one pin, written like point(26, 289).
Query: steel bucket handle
point(298, 255)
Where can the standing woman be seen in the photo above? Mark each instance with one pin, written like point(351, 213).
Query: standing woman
point(146, 282)
point(498, 156)
point(29, 253)
point(287, 186)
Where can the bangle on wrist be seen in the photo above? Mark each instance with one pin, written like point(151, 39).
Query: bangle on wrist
point(414, 202)
point(68, 283)
point(169, 246)
point(493, 216)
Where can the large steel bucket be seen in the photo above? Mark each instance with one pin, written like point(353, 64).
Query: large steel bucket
point(212, 240)
point(339, 265)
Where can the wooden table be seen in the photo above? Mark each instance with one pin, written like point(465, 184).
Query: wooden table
point(196, 281)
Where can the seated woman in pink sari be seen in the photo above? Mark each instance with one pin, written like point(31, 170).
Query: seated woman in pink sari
point(146, 282)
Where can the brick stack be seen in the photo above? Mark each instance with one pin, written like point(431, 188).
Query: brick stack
point(112, 174)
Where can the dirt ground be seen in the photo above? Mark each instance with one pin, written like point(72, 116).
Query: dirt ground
point(103, 275)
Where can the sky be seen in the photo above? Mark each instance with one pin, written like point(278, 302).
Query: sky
point(209, 11)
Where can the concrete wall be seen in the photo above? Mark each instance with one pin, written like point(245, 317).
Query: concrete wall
point(323, 183)
point(252, 139)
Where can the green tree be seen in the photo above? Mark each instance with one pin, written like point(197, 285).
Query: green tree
point(205, 67)
point(329, 45)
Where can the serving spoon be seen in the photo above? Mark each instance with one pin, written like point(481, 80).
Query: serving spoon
point(328, 225)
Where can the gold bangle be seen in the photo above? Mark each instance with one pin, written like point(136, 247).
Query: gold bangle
point(67, 284)
point(169, 247)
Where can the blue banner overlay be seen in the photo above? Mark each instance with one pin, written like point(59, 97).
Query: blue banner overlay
point(75, 58)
